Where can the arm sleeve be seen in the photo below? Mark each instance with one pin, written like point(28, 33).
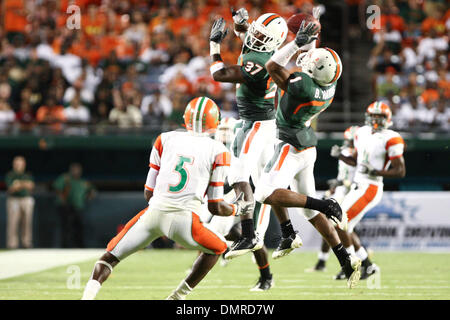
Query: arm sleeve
point(219, 173)
point(395, 147)
point(154, 165)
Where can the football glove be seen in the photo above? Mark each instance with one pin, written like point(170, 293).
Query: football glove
point(335, 151)
point(367, 168)
point(240, 17)
point(306, 33)
point(317, 12)
point(218, 31)
point(243, 207)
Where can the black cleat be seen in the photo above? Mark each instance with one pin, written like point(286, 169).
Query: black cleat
point(287, 245)
point(319, 267)
point(340, 275)
point(244, 245)
point(369, 270)
point(263, 284)
point(333, 210)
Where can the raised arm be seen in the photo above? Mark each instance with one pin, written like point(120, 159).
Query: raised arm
point(277, 63)
point(219, 71)
point(240, 18)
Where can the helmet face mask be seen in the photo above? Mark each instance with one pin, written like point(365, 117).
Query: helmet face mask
point(378, 116)
point(267, 33)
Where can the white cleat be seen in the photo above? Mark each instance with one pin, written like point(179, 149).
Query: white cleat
point(353, 279)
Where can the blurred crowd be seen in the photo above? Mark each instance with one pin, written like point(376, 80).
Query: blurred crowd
point(410, 60)
point(119, 63)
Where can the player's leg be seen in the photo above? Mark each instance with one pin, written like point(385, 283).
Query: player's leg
point(368, 267)
point(190, 232)
point(261, 220)
point(136, 234)
point(358, 201)
point(247, 148)
point(272, 189)
point(304, 182)
point(322, 258)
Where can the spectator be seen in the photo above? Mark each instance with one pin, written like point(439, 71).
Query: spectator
point(72, 193)
point(25, 116)
point(442, 116)
point(124, 115)
point(156, 103)
point(7, 116)
point(19, 205)
point(51, 115)
point(76, 113)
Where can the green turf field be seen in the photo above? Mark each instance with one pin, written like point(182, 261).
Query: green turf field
point(153, 274)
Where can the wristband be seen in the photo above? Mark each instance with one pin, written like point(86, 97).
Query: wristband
point(309, 46)
point(216, 66)
point(284, 55)
point(214, 48)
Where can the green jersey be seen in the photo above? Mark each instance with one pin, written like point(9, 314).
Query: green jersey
point(12, 176)
point(255, 97)
point(298, 106)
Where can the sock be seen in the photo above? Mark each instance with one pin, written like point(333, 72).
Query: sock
point(323, 255)
point(362, 253)
point(91, 290)
point(287, 229)
point(180, 292)
point(351, 250)
point(248, 228)
point(265, 272)
point(316, 204)
point(341, 254)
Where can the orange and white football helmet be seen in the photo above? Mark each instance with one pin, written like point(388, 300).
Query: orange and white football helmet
point(201, 115)
point(379, 115)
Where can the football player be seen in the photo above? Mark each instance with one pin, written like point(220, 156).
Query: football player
point(378, 154)
point(255, 94)
point(228, 227)
point(184, 166)
point(301, 97)
point(339, 187)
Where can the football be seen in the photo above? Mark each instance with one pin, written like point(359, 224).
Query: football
point(294, 21)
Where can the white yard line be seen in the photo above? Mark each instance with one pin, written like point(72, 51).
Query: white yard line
point(19, 262)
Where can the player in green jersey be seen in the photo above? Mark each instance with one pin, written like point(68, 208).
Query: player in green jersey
point(255, 94)
point(301, 97)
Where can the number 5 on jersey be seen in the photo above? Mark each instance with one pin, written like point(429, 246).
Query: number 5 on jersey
point(184, 174)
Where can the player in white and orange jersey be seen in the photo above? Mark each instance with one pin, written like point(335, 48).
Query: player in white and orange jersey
point(184, 166)
point(378, 154)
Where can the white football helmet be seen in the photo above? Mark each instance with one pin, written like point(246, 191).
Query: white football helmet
point(321, 64)
point(266, 33)
point(225, 131)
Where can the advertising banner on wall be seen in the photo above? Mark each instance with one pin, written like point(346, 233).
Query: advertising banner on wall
point(417, 221)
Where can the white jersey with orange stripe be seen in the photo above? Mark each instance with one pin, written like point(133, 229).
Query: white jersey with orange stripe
point(377, 149)
point(184, 167)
